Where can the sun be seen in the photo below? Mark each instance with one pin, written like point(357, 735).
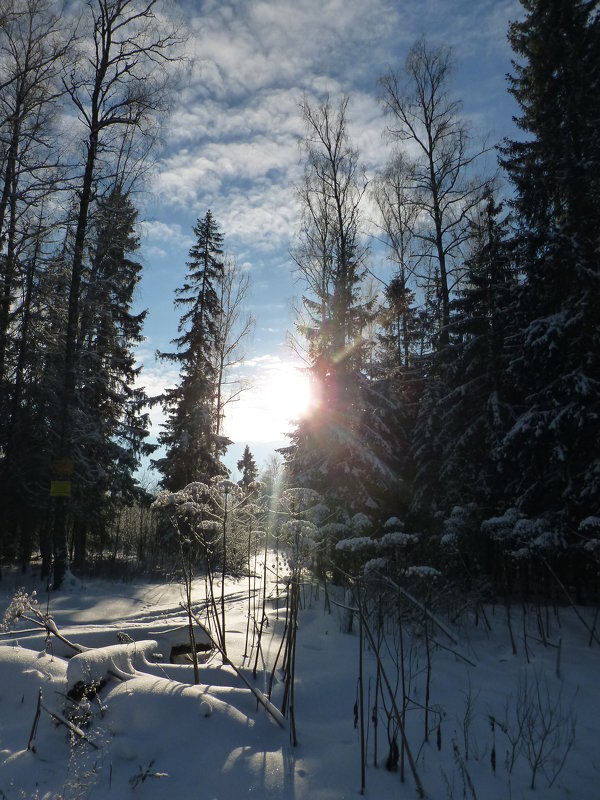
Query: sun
point(291, 394)
point(280, 395)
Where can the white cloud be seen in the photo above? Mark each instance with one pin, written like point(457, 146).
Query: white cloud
point(159, 238)
point(232, 141)
point(163, 232)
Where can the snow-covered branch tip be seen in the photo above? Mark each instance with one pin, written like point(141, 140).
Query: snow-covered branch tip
point(25, 606)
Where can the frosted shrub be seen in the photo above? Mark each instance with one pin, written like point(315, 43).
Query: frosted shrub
point(538, 727)
point(216, 521)
point(360, 524)
point(300, 536)
point(21, 603)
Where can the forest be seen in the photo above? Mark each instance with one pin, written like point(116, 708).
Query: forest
point(403, 601)
point(458, 417)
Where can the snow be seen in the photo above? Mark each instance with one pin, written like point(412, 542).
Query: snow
point(397, 539)
point(590, 525)
point(100, 663)
point(449, 539)
point(503, 527)
point(393, 523)
point(355, 544)
point(160, 736)
point(375, 565)
point(424, 572)
point(360, 524)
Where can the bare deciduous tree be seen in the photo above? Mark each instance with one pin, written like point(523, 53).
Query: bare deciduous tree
point(33, 47)
point(330, 254)
point(399, 212)
point(235, 325)
point(428, 121)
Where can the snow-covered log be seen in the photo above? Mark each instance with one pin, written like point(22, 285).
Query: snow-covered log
point(95, 666)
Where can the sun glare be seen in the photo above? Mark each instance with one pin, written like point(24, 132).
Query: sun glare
point(280, 395)
point(291, 394)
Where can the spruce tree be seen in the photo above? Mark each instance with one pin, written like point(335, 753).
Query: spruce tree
point(110, 423)
point(248, 468)
point(550, 455)
point(468, 408)
point(193, 448)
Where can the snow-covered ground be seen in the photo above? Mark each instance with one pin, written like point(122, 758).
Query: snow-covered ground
point(152, 734)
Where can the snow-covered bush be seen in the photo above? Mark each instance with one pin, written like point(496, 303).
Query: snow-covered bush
point(393, 524)
point(212, 520)
point(355, 544)
point(299, 538)
point(21, 603)
point(422, 572)
point(501, 529)
point(589, 528)
point(299, 534)
point(361, 524)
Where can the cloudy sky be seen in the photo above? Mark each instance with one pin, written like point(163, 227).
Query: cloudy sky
point(231, 146)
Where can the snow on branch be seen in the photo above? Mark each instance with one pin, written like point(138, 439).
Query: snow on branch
point(397, 539)
point(354, 544)
point(118, 660)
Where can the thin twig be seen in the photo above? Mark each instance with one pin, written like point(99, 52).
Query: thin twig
point(413, 768)
point(36, 720)
point(590, 630)
point(272, 710)
point(70, 726)
point(454, 652)
point(48, 624)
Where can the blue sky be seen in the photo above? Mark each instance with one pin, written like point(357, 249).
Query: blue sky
point(231, 145)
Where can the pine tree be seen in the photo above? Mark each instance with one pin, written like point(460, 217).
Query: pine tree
point(248, 468)
point(468, 407)
point(111, 422)
point(193, 448)
point(117, 86)
point(32, 50)
point(30, 402)
point(550, 455)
